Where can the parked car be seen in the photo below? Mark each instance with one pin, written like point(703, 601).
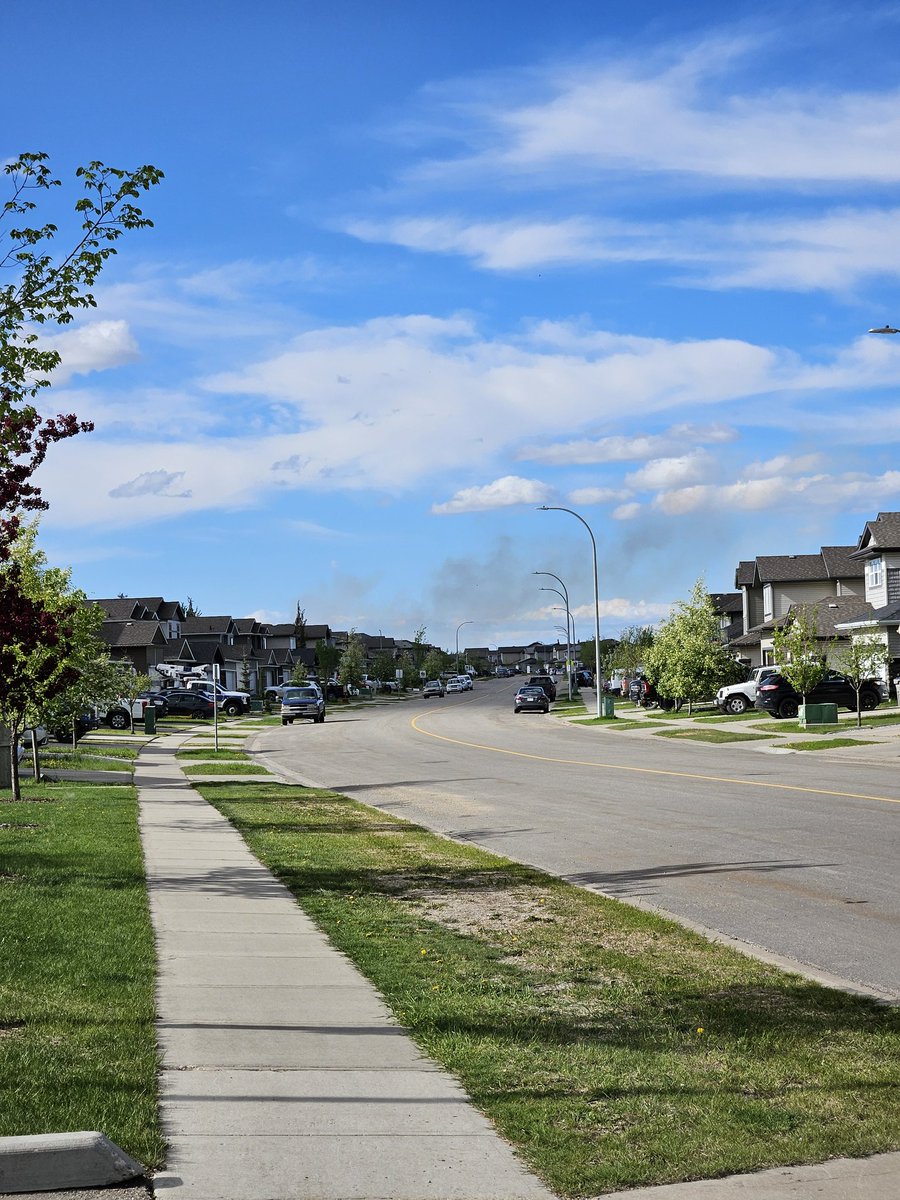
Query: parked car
point(158, 699)
point(190, 702)
point(531, 699)
point(542, 681)
point(79, 725)
point(231, 703)
point(777, 696)
point(502, 672)
point(302, 701)
point(454, 685)
point(389, 685)
point(433, 687)
point(738, 697)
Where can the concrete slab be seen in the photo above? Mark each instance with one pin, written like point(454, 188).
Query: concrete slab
point(298, 943)
point(284, 1048)
point(311, 1006)
point(45, 1162)
point(239, 972)
point(317, 1102)
point(348, 1167)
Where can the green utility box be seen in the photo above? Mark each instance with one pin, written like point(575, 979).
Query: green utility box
point(150, 719)
point(608, 706)
point(818, 714)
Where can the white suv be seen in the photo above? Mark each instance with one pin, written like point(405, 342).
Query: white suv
point(738, 697)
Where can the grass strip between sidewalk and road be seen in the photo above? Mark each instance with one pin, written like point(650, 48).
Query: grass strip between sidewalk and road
point(612, 1047)
point(695, 734)
point(77, 1033)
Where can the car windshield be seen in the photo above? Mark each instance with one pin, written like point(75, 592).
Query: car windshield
point(297, 693)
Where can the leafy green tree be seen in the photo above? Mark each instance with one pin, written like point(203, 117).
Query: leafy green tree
point(300, 673)
point(435, 663)
point(327, 659)
point(410, 676)
point(687, 659)
point(801, 650)
point(383, 665)
point(864, 658)
point(632, 647)
point(352, 666)
point(300, 626)
point(190, 609)
point(95, 685)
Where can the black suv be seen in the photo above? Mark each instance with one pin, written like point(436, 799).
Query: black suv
point(542, 681)
point(775, 695)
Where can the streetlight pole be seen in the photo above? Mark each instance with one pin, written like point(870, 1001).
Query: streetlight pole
point(569, 617)
point(557, 592)
point(573, 513)
point(458, 628)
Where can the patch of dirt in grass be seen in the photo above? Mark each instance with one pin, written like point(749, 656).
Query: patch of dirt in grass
point(30, 800)
point(481, 909)
point(17, 825)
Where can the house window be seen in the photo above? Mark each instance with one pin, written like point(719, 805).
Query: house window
point(874, 572)
point(768, 610)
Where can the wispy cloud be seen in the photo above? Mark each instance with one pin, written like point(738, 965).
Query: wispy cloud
point(775, 491)
point(629, 448)
point(150, 483)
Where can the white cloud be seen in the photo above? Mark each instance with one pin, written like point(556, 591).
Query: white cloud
point(98, 346)
point(626, 512)
point(672, 472)
point(676, 117)
point(785, 492)
point(502, 493)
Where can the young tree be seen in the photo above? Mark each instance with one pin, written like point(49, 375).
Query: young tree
point(435, 663)
point(353, 662)
point(129, 685)
point(47, 632)
point(38, 287)
point(95, 684)
point(687, 660)
point(862, 659)
point(419, 648)
point(300, 672)
point(383, 665)
point(410, 676)
point(300, 626)
point(190, 609)
point(327, 659)
point(801, 651)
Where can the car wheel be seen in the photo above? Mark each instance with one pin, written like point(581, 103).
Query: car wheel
point(868, 701)
point(231, 708)
point(736, 705)
point(788, 708)
point(518, 710)
point(118, 720)
point(284, 720)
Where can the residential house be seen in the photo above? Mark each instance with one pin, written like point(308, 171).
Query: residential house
point(770, 585)
point(878, 552)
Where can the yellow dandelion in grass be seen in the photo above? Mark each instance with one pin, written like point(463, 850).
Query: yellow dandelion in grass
point(700, 1029)
point(423, 951)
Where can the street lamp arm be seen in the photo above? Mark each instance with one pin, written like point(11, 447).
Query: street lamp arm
point(884, 329)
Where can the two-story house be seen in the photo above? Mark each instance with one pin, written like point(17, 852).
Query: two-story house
point(878, 552)
point(831, 582)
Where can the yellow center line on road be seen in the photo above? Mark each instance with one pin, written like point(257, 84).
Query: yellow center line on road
point(578, 762)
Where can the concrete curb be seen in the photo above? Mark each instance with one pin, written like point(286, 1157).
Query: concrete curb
point(50, 1161)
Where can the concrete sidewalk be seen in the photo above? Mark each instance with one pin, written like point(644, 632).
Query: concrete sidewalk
point(286, 1078)
point(284, 1075)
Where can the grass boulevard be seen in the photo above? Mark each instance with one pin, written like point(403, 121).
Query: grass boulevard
point(611, 1047)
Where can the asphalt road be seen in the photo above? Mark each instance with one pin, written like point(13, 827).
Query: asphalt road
point(792, 853)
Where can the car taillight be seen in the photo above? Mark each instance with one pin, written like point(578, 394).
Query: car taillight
point(768, 687)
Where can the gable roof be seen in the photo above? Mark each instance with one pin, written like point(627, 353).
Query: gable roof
point(165, 610)
point(839, 562)
point(121, 608)
point(727, 602)
point(881, 534)
point(207, 625)
point(120, 635)
point(789, 568)
point(744, 573)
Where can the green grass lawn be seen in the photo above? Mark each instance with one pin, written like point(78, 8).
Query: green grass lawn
point(215, 767)
point(77, 1038)
point(695, 734)
point(611, 1047)
point(208, 752)
point(82, 760)
point(620, 723)
point(831, 744)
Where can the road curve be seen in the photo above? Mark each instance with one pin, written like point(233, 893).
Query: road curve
point(793, 854)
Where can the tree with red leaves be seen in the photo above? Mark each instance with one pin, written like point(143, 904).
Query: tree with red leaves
point(37, 288)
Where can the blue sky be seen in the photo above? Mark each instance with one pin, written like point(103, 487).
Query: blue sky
point(419, 268)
